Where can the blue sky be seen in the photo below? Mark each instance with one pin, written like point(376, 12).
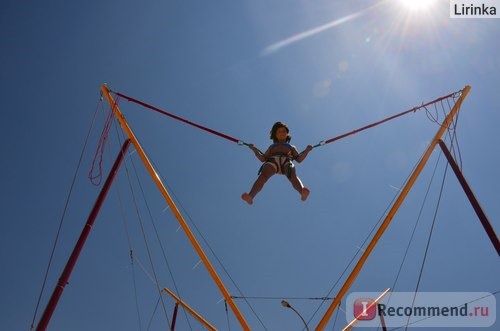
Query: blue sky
point(322, 67)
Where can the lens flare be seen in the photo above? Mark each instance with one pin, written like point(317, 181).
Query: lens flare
point(417, 5)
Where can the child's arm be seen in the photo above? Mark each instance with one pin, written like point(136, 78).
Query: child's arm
point(258, 154)
point(300, 157)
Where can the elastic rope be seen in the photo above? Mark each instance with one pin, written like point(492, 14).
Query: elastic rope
point(413, 110)
point(222, 135)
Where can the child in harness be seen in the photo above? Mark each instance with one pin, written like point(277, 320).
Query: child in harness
point(278, 159)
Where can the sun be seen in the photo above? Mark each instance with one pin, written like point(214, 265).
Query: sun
point(417, 5)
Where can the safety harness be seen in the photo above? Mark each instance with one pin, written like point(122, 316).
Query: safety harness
point(282, 162)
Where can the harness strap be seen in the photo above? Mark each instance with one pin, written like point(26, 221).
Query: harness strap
point(279, 165)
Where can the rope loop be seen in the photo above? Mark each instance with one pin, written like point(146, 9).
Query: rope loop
point(96, 178)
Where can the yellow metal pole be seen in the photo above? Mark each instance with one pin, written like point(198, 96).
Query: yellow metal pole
point(404, 192)
point(191, 310)
point(173, 207)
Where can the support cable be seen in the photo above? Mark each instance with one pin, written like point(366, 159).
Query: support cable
point(415, 226)
point(327, 297)
point(374, 227)
point(335, 319)
point(166, 195)
point(132, 264)
point(211, 250)
point(129, 243)
point(157, 236)
point(397, 204)
point(154, 227)
point(141, 224)
point(154, 313)
point(227, 316)
point(451, 128)
point(70, 264)
point(416, 223)
point(65, 208)
point(421, 272)
point(279, 298)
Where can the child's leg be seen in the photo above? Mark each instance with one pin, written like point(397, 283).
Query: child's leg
point(267, 171)
point(297, 185)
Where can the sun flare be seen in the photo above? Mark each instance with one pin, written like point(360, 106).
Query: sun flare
point(417, 5)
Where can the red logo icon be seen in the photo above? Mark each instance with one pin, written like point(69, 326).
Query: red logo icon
point(365, 309)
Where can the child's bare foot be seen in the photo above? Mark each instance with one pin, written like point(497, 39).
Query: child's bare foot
point(304, 194)
point(247, 198)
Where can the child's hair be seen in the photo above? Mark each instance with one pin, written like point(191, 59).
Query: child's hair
point(276, 126)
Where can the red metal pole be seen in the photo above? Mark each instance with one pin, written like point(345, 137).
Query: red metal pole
point(472, 198)
point(174, 318)
point(63, 280)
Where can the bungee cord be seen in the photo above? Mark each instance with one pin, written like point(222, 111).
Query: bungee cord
point(319, 144)
point(163, 112)
point(413, 110)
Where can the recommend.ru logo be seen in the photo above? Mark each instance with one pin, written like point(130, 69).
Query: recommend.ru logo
point(422, 309)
